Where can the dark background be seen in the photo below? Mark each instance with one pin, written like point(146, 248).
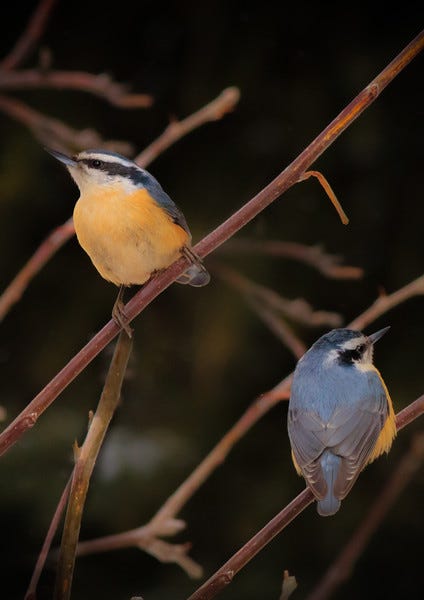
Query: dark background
point(202, 356)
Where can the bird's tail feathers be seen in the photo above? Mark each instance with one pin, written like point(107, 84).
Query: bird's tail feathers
point(330, 464)
point(196, 275)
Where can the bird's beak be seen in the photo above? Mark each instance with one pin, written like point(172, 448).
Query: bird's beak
point(66, 160)
point(378, 334)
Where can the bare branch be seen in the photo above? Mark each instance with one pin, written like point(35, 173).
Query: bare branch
point(28, 417)
point(279, 328)
point(50, 245)
point(30, 36)
point(329, 191)
point(31, 592)
point(386, 303)
point(86, 459)
point(299, 310)
point(55, 133)
point(328, 264)
point(213, 111)
point(289, 586)
point(101, 85)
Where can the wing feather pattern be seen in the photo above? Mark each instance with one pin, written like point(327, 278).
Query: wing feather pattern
point(350, 430)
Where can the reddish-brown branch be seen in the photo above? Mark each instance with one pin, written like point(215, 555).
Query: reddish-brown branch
point(16, 288)
point(298, 310)
point(386, 302)
point(150, 291)
point(99, 85)
point(329, 191)
point(213, 111)
point(31, 592)
point(327, 264)
point(55, 133)
point(343, 566)
point(225, 574)
point(30, 36)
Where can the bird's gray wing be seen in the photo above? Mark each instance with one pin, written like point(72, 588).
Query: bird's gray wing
point(351, 432)
point(162, 198)
point(357, 433)
point(306, 436)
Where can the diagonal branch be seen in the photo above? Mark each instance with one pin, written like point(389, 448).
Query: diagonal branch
point(327, 264)
point(28, 417)
point(213, 111)
point(101, 85)
point(32, 588)
point(55, 133)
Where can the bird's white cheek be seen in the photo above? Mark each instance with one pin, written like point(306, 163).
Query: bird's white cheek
point(330, 358)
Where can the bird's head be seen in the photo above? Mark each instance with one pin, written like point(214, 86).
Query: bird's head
point(348, 347)
point(101, 168)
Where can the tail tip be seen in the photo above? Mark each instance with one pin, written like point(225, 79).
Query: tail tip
point(328, 506)
point(195, 275)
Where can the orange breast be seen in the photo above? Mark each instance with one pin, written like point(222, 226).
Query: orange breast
point(127, 236)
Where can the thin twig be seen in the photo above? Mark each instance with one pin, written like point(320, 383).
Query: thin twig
point(329, 191)
point(86, 458)
point(28, 417)
point(288, 587)
point(45, 126)
point(279, 328)
point(386, 302)
point(39, 565)
point(342, 567)
point(55, 133)
point(327, 264)
point(30, 36)
point(225, 574)
point(213, 111)
point(298, 310)
point(19, 284)
point(101, 85)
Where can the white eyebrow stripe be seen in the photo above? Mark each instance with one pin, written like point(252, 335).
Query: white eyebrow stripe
point(354, 343)
point(107, 158)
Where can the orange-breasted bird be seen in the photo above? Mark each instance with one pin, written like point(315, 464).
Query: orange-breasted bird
point(127, 224)
point(340, 415)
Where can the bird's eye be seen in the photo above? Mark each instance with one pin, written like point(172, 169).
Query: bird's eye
point(96, 163)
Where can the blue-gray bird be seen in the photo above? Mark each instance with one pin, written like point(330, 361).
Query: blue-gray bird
point(340, 414)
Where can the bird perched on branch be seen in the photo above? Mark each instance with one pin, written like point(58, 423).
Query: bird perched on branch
point(127, 224)
point(340, 414)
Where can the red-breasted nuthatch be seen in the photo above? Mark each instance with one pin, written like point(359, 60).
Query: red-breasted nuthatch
point(127, 224)
point(340, 414)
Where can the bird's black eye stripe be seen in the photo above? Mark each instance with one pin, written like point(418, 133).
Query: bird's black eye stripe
point(348, 356)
